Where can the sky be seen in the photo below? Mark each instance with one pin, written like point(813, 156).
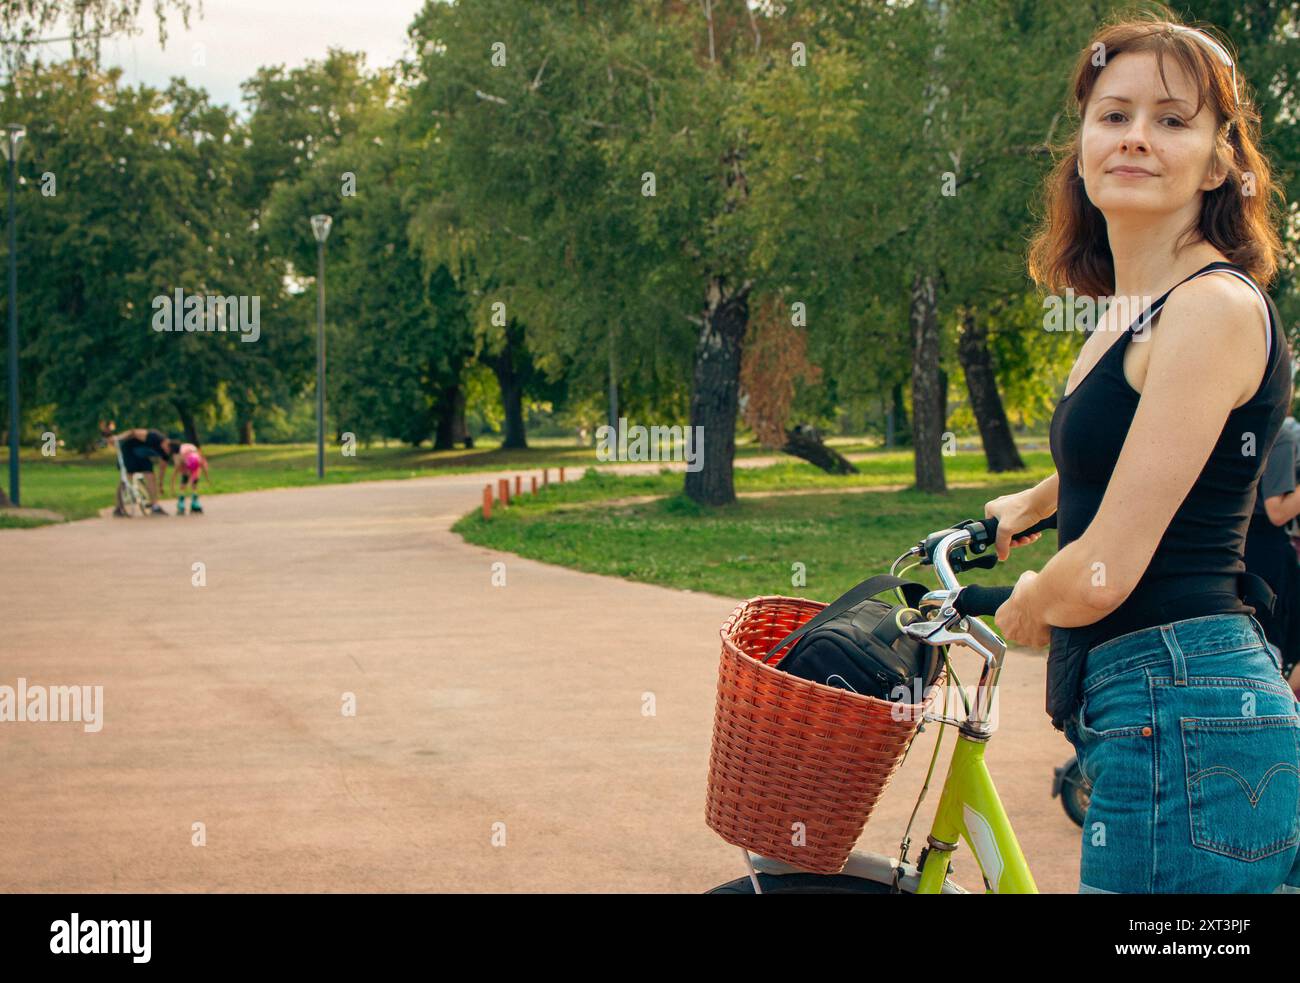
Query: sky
point(233, 38)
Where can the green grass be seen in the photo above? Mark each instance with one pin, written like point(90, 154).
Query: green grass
point(751, 547)
point(21, 522)
point(78, 486)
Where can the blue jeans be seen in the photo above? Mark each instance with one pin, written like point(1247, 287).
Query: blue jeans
point(1191, 740)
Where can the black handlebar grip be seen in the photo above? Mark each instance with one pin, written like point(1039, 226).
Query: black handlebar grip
point(991, 528)
point(976, 600)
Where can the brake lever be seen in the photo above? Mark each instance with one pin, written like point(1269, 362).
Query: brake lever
point(937, 633)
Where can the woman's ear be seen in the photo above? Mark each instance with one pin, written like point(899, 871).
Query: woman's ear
point(1218, 172)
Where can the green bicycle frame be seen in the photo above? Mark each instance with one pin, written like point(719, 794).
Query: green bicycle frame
point(970, 809)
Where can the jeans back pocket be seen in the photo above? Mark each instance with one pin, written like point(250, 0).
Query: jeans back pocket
point(1243, 783)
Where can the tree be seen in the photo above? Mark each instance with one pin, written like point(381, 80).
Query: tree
point(296, 116)
point(986, 402)
point(775, 363)
point(399, 335)
point(590, 162)
point(25, 25)
point(890, 200)
point(97, 274)
point(520, 199)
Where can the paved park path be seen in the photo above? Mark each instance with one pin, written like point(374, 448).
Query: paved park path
point(476, 705)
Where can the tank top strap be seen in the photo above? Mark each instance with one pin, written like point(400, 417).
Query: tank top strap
point(1218, 266)
point(1269, 327)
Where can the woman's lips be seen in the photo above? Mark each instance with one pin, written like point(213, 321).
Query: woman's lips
point(1131, 172)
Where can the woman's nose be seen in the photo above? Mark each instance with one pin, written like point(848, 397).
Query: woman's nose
point(1135, 138)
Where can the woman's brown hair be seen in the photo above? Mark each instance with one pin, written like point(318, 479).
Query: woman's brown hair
point(1239, 218)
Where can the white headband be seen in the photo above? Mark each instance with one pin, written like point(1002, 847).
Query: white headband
point(1218, 49)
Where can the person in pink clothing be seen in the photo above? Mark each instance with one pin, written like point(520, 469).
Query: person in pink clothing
point(189, 462)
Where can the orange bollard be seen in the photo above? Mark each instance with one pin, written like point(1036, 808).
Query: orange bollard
point(546, 477)
point(561, 474)
point(487, 502)
point(503, 491)
point(519, 485)
point(533, 489)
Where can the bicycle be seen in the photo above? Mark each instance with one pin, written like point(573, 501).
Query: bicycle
point(969, 806)
point(1075, 790)
point(132, 493)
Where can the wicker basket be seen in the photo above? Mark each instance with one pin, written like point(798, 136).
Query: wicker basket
point(787, 750)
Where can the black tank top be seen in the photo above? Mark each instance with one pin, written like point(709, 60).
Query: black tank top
point(1197, 562)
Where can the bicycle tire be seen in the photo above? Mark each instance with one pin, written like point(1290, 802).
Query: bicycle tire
point(125, 500)
point(1075, 793)
point(804, 883)
point(142, 498)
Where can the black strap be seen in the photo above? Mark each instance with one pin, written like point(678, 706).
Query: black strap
point(1256, 592)
point(912, 592)
point(1177, 598)
point(1149, 315)
point(1248, 587)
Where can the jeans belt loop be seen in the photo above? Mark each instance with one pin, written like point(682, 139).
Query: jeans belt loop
point(1176, 654)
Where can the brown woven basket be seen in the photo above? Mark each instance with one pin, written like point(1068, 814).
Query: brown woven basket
point(787, 750)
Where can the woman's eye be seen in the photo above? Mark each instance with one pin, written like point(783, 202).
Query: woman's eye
point(1116, 116)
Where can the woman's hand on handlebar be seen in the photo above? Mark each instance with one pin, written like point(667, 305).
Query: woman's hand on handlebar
point(1014, 618)
point(1013, 512)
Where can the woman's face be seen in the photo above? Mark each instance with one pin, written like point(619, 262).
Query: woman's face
point(1142, 149)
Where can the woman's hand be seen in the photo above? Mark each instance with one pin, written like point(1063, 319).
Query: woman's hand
point(1016, 618)
point(1013, 512)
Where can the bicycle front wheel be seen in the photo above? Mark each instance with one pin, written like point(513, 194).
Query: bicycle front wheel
point(131, 499)
point(1075, 793)
point(805, 884)
point(125, 502)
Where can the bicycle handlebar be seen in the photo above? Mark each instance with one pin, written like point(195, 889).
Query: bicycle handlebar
point(977, 600)
point(946, 550)
point(989, 530)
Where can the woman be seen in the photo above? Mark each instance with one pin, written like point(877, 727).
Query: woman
point(1158, 672)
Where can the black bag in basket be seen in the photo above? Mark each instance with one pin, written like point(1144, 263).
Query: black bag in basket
point(857, 643)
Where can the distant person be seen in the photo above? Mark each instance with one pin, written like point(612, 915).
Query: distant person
point(1269, 552)
point(191, 462)
point(139, 448)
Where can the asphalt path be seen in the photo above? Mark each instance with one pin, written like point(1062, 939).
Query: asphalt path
point(345, 696)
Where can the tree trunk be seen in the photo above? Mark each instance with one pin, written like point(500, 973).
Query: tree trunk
point(459, 429)
point(943, 400)
point(985, 401)
point(898, 421)
point(927, 403)
point(444, 411)
point(512, 401)
point(613, 380)
point(806, 443)
point(246, 431)
point(512, 390)
point(187, 422)
point(714, 391)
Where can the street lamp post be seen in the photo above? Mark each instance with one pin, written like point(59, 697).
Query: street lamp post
point(320, 228)
point(10, 147)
